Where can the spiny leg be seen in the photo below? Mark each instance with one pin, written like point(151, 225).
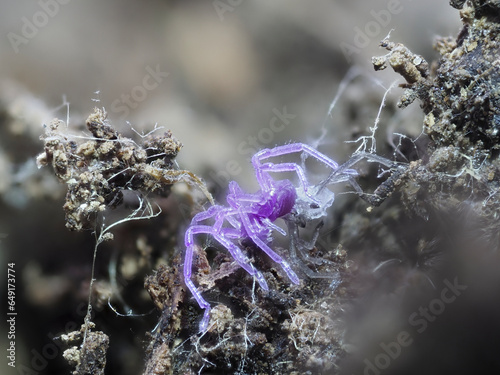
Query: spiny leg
point(343, 173)
point(312, 198)
point(289, 167)
point(219, 214)
point(242, 260)
point(187, 271)
point(267, 182)
point(291, 148)
point(253, 234)
point(236, 195)
point(284, 150)
point(235, 252)
point(303, 246)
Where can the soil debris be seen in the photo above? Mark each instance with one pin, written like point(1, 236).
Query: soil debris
point(98, 169)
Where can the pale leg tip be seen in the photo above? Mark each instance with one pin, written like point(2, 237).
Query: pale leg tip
point(204, 321)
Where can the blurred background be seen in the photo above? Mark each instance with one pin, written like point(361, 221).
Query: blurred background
point(228, 65)
point(227, 77)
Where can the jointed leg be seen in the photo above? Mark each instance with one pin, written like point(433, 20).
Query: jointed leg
point(291, 148)
point(288, 167)
point(219, 214)
point(266, 182)
point(284, 150)
point(235, 252)
point(343, 173)
point(236, 195)
point(252, 233)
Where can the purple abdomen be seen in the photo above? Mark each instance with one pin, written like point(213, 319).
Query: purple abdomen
point(282, 201)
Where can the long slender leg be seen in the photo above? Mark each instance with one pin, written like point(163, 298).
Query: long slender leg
point(284, 264)
point(338, 175)
point(236, 195)
point(284, 150)
point(344, 169)
point(274, 226)
point(235, 252)
point(253, 234)
point(222, 235)
point(312, 199)
point(297, 244)
point(291, 148)
point(187, 271)
point(242, 260)
point(290, 167)
point(344, 173)
point(262, 170)
point(204, 215)
point(219, 214)
point(301, 245)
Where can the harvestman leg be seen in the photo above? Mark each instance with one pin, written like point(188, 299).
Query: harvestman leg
point(252, 233)
point(237, 194)
point(343, 173)
point(285, 150)
point(235, 252)
point(339, 173)
point(266, 181)
point(253, 229)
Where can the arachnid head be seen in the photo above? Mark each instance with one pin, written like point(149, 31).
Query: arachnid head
point(313, 204)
